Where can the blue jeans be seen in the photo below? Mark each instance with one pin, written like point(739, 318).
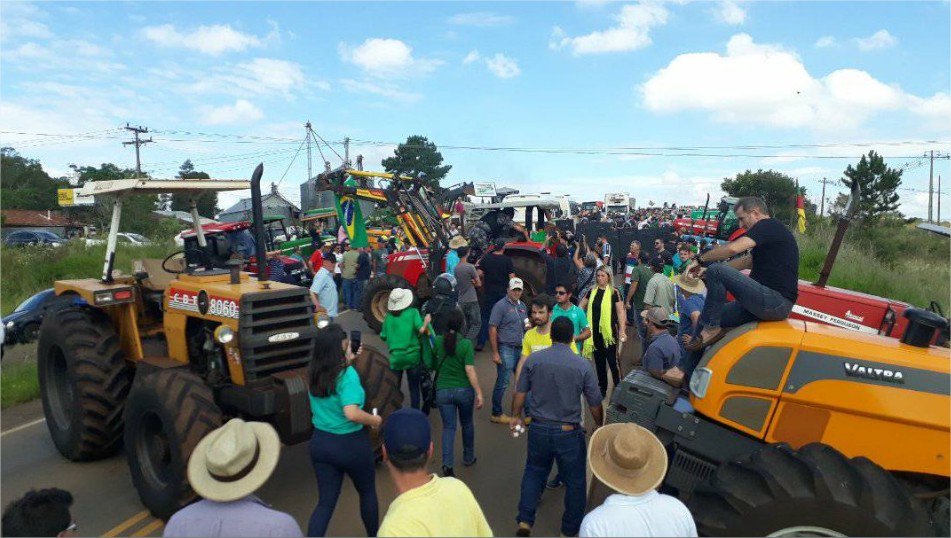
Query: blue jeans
point(358, 288)
point(412, 379)
point(451, 401)
point(349, 289)
point(509, 356)
point(547, 444)
point(333, 456)
point(754, 301)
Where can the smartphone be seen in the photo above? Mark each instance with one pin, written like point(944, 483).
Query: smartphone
point(354, 341)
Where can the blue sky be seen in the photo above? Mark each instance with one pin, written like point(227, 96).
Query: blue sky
point(809, 80)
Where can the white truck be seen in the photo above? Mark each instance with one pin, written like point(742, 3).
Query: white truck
point(618, 203)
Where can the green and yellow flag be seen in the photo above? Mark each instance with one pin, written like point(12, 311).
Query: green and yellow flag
point(351, 217)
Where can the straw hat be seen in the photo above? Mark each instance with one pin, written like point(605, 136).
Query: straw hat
point(627, 458)
point(400, 298)
point(234, 460)
point(458, 241)
point(690, 282)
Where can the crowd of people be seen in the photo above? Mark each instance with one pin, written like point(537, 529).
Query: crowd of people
point(662, 217)
point(558, 351)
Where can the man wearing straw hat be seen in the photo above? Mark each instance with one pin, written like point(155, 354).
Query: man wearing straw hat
point(227, 466)
point(630, 460)
point(690, 303)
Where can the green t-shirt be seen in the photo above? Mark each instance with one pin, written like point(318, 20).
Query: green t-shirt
point(642, 275)
point(350, 264)
point(578, 318)
point(452, 368)
point(328, 412)
point(401, 334)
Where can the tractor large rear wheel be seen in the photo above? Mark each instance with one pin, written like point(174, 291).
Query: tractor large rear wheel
point(376, 297)
point(84, 380)
point(168, 413)
point(813, 491)
point(382, 387)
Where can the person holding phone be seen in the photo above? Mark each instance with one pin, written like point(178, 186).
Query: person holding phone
point(340, 444)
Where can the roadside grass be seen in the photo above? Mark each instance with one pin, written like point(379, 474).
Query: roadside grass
point(28, 270)
point(19, 383)
point(890, 261)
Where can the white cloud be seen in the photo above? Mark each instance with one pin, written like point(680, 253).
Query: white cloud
point(241, 111)
point(63, 55)
point(879, 40)
point(386, 58)
point(213, 40)
point(825, 42)
point(383, 89)
point(631, 32)
point(730, 12)
point(502, 66)
point(481, 19)
point(767, 84)
point(260, 76)
point(19, 20)
point(473, 56)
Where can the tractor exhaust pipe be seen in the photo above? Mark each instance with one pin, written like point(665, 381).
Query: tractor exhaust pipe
point(257, 216)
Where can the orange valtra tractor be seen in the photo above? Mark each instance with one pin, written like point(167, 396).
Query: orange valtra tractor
point(795, 427)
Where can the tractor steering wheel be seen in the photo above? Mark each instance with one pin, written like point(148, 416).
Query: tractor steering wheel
point(201, 253)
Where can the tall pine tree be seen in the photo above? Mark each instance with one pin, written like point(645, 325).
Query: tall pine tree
point(878, 183)
point(207, 202)
point(418, 155)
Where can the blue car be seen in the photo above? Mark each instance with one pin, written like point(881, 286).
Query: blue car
point(23, 324)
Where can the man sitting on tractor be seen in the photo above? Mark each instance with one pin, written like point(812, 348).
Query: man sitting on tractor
point(770, 290)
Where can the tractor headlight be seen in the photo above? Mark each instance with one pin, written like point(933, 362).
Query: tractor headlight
point(9, 325)
point(699, 382)
point(224, 334)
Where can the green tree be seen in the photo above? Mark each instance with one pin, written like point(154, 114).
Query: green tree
point(418, 155)
point(776, 188)
point(207, 202)
point(878, 183)
point(25, 184)
point(137, 210)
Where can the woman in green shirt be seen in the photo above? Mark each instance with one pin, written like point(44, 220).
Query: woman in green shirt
point(340, 444)
point(402, 328)
point(457, 390)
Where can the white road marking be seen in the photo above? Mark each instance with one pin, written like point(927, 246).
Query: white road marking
point(23, 426)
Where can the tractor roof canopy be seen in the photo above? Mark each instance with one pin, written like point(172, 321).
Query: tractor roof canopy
point(161, 186)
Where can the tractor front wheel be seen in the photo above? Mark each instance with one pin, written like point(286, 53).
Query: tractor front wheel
point(377, 295)
point(383, 391)
point(168, 413)
point(813, 491)
point(84, 380)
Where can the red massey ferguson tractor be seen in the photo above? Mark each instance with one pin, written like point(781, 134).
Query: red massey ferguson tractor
point(420, 212)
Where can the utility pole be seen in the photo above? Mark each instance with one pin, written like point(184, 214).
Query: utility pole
point(138, 143)
point(931, 186)
point(310, 173)
point(346, 151)
point(822, 204)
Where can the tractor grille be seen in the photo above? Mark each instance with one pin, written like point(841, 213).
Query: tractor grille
point(275, 315)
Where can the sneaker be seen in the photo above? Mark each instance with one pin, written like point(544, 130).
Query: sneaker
point(524, 529)
point(554, 483)
point(447, 471)
point(501, 419)
point(470, 463)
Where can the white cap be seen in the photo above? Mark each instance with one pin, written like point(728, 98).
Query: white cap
point(516, 284)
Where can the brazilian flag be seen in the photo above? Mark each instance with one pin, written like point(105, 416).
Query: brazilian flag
point(351, 219)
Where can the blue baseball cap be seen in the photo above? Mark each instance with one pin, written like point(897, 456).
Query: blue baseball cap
point(407, 433)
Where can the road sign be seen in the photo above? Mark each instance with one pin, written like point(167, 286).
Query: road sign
point(484, 189)
point(68, 197)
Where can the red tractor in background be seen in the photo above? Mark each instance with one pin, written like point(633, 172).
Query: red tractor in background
point(422, 214)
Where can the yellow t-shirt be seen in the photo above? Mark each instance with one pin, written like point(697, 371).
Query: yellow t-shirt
point(534, 341)
point(422, 511)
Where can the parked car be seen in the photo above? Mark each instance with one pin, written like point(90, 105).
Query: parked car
point(122, 238)
point(32, 237)
point(23, 324)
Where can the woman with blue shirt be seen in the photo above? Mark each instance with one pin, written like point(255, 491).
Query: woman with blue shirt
point(340, 444)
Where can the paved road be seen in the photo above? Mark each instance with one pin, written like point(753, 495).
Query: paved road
point(107, 504)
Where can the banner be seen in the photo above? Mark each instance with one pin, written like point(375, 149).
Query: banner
point(801, 212)
point(351, 219)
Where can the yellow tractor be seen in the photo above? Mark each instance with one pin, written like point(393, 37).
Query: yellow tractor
point(158, 359)
point(798, 428)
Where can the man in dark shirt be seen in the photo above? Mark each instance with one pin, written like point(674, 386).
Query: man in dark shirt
point(363, 275)
point(770, 290)
point(555, 378)
point(495, 270)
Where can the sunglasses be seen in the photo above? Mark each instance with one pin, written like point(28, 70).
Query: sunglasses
point(561, 293)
